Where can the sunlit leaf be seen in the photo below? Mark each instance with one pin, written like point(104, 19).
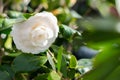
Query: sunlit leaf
point(54, 76)
point(84, 65)
point(73, 62)
point(8, 43)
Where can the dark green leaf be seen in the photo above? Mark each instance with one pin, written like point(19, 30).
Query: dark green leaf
point(4, 75)
point(71, 73)
point(64, 67)
point(42, 76)
point(28, 62)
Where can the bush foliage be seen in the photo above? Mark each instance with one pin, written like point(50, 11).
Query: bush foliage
point(87, 47)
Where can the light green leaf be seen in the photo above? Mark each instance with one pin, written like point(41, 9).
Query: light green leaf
point(73, 62)
point(14, 14)
point(1, 23)
point(84, 65)
point(75, 14)
point(54, 76)
point(8, 43)
point(9, 22)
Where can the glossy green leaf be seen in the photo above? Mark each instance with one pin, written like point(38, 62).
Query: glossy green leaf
point(67, 32)
point(84, 65)
point(28, 62)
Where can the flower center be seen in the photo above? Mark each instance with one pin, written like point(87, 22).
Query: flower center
point(40, 36)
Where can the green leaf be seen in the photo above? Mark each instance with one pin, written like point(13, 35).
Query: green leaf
point(17, 15)
point(54, 76)
point(67, 32)
point(27, 15)
point(105, 64)
point(73, 62)
point(9, 70)
point(9, 22)
point(28, 62)
point(114, 75)
point(4, 75)
point(64, 67)
point(50, 59)
point(20, 77)
point(42, 76)
point(75, 14)
point(14, 14)
point(71, 73)
point(59, 58)
point(8, 42)
point(1, 23)
point(84, 65)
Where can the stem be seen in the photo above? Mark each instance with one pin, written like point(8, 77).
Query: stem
point(1, 6)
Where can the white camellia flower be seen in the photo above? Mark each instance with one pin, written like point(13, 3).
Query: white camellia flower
point(36, 34)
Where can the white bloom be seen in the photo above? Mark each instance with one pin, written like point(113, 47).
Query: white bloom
point(36, 34)
point(117, 2)
point(3, 36)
